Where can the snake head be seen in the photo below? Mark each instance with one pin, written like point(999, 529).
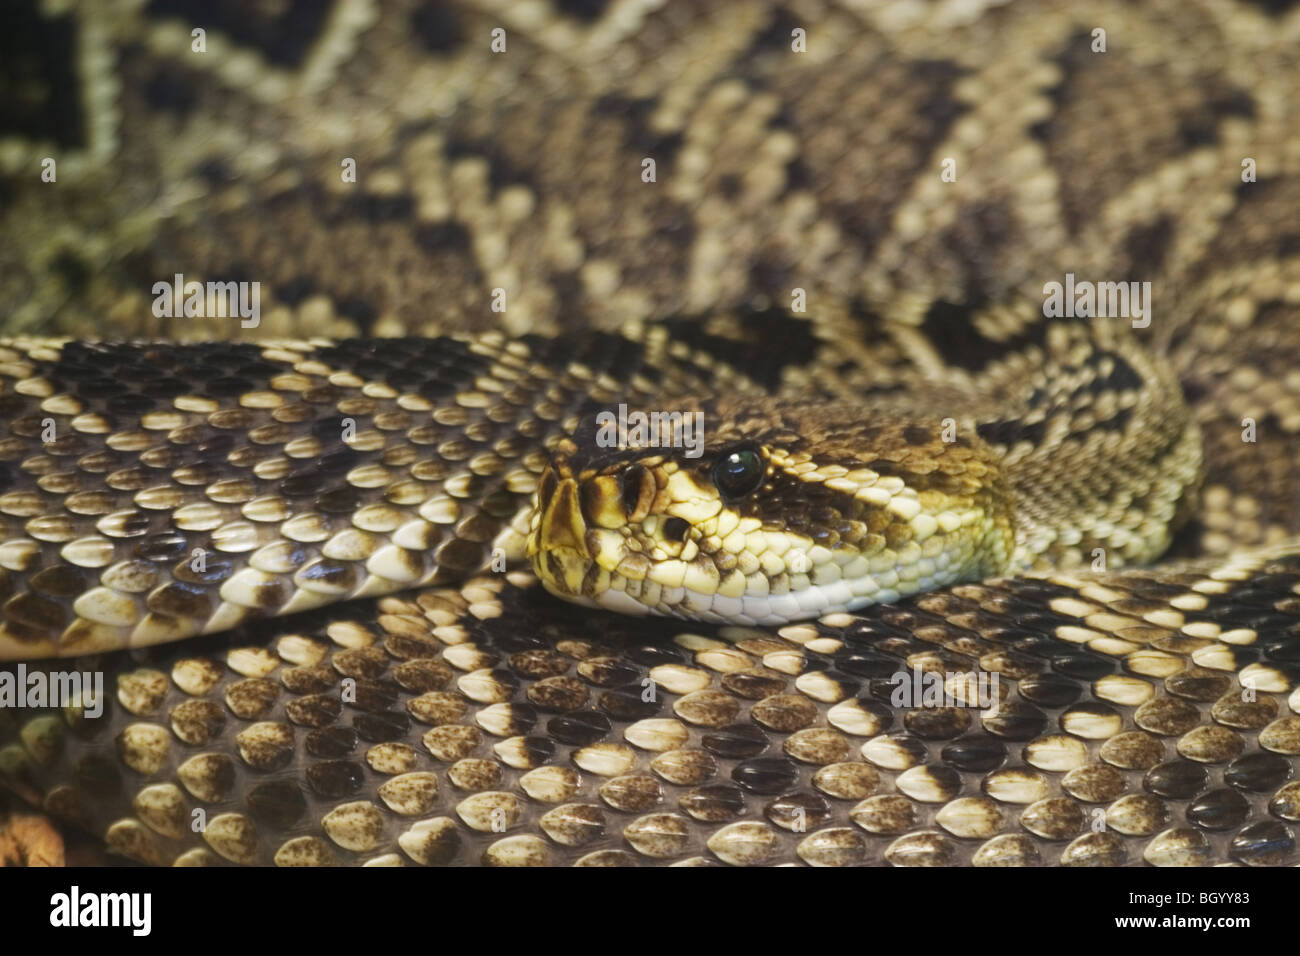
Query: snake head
point(781, 511)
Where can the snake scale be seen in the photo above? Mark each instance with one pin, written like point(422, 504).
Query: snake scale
point(305, 554)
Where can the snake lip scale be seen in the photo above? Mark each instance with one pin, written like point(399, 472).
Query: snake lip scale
point(686, 433)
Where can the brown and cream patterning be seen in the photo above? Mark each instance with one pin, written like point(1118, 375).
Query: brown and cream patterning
point(311, 553)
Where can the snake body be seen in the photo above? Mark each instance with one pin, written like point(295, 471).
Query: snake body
point(312, 561)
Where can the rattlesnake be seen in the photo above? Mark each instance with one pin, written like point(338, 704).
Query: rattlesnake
point(839, 249)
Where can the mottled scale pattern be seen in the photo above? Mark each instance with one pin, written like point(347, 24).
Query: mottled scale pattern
point(151, 493)
point(487, 724)
point(1148, 715)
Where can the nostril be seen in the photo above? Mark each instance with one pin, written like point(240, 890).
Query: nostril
point(629, 484)
point(676, 529)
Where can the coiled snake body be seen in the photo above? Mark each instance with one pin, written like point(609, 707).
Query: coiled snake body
point(307, 562)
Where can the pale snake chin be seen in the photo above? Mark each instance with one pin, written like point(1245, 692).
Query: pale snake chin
point(306, 531)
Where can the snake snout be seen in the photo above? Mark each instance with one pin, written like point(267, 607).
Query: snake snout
point(557, 542)
point(562, 521)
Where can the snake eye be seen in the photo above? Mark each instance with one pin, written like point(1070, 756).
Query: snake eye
point(739, 472)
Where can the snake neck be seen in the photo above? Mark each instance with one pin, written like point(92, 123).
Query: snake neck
point(1101, 455)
